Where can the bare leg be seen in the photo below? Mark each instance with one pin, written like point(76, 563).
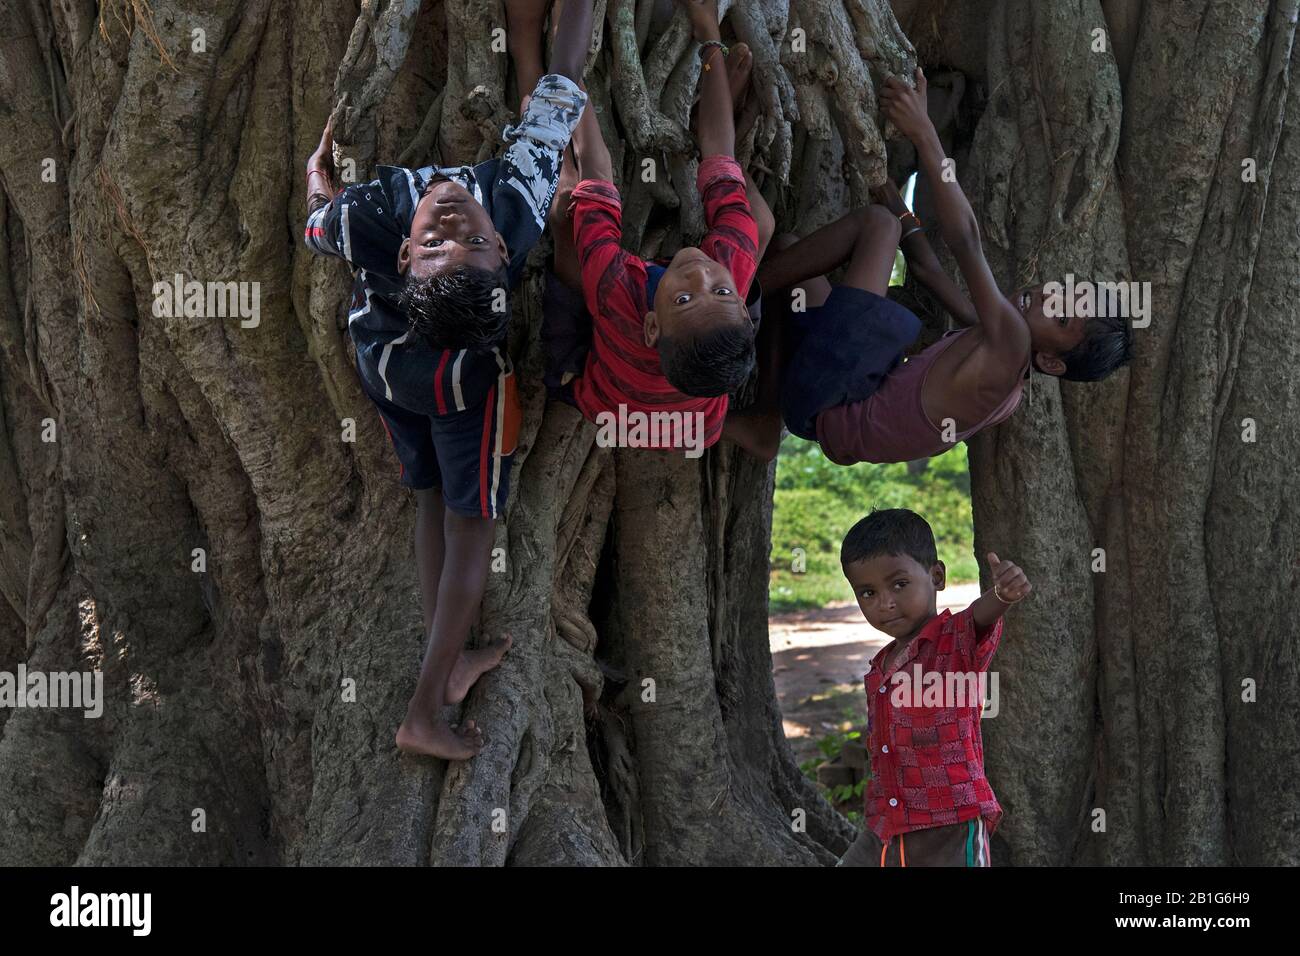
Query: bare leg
point(865, 239)
point(429, 511)
point(740, 64)
point(524, 20)
point(468, 550)
point(429, 548)
point(872, 261)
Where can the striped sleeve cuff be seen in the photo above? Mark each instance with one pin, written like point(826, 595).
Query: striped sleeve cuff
point(718, 168)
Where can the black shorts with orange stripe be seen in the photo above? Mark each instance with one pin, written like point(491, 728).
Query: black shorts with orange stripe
point(466, 452)
point(954, 844)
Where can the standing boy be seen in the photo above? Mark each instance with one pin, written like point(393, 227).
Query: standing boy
point(928, 802)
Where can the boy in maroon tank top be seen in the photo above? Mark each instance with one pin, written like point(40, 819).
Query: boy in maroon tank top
point(845, 383)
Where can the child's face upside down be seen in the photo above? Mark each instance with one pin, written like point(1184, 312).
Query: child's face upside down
point(896, 594)
point(1049, 336)
point(695, 293)
point(450, 228)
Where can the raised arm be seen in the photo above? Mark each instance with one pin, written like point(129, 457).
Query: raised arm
point(1010, 586)
point(717, 124)
point(320, 170)
point(762, 214)
point(1004, 328)
point(572, 39)
point(922, 263)
point(597, 235)
point(590, 150)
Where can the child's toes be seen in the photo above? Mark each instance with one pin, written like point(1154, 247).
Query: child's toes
point(739, 63)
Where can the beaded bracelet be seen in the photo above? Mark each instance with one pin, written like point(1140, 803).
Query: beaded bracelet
point(707, 44)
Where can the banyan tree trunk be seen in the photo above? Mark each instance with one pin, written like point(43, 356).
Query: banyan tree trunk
point(1150, 690)
point(205, 510)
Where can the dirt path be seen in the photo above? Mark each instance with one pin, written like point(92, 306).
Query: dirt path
point(818, 659)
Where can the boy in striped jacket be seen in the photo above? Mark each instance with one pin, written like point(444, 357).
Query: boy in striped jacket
point(434, 252)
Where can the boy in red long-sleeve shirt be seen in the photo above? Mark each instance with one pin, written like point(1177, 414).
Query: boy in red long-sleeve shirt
point(669, 342)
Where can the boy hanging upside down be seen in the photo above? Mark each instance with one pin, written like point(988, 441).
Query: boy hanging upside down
point(844, 383)
point(435, 251)
point(668, 339)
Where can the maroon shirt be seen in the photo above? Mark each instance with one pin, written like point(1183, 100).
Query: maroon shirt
point(891, 425)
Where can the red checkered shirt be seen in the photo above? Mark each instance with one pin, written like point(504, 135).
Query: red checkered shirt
point(927, 762)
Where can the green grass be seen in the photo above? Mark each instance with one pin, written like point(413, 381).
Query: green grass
point(846, 799)
point(817, 502)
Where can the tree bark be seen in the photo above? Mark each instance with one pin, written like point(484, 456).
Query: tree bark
point(252, 698)
point(1124, 735)
point(251, 705)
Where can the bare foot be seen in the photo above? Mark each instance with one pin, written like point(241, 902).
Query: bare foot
point(740, 63)
point(435, 738)
point(746, 109)
point(471, 665)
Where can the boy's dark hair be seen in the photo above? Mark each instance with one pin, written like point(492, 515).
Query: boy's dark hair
point(1107, 344)
point(710, 363)
point(455, 310)
point(890, 531)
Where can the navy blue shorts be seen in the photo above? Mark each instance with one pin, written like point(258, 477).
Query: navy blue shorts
point(465, 454)
point(842, 351)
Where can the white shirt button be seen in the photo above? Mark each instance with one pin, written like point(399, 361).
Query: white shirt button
point(893, 801)
point(882, 688)
point(885, 748)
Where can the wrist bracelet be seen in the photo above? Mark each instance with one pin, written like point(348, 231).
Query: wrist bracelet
point(718, 43)
point(997, 594)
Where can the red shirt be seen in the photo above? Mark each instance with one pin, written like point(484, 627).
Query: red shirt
point(621, 369)
point(927, 762)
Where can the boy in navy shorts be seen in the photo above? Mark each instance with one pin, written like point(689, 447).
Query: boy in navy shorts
point(846, 384)
point(435, 251)
point(843, 339)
